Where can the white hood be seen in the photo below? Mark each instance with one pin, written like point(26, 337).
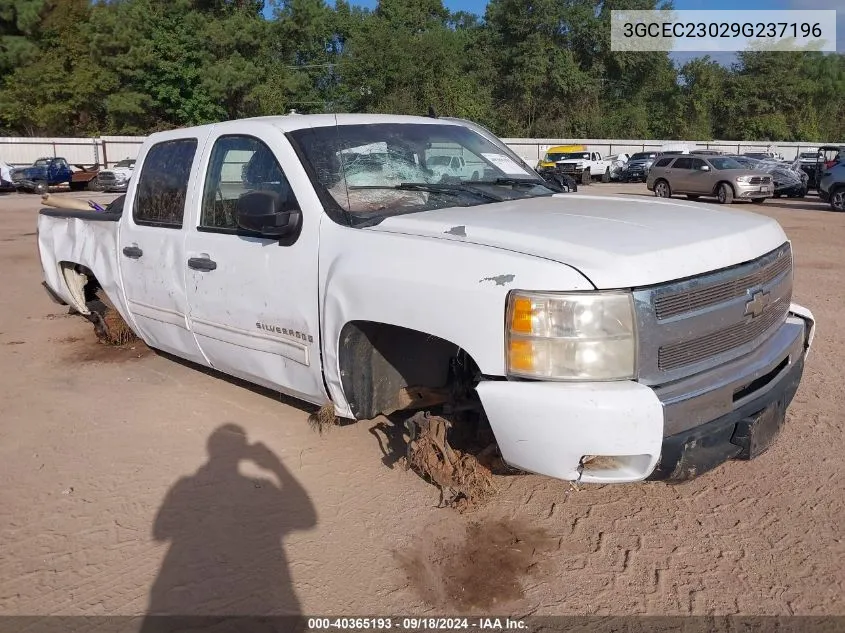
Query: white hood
point(614, 242)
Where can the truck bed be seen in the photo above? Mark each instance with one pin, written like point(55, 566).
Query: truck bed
point(71, 241)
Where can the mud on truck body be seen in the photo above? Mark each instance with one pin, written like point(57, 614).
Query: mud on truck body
point(595, 339)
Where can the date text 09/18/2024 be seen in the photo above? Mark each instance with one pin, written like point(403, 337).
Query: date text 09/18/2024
point(415, 624)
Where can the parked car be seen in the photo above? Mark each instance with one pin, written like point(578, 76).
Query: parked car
point(764, 155)
point(788, 178)
point(636, 169)
point(718, 176)
point(617, 164)
point(554, 154)
point(454, 166)
point(832, 186)
point(584, 167)
point(595, 338)
point(42, 174)
point(116, 179)
point(825, 158)
point(6, 183)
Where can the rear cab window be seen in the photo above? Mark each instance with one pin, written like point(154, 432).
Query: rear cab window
point(163, 184)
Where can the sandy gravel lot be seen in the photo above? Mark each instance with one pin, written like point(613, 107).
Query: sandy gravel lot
point(122, 490)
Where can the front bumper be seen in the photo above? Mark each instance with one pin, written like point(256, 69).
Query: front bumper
point(114, 186)
point(616, 432)
point(747, 191)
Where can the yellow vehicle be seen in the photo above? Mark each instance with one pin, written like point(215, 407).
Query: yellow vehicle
point(554, 153)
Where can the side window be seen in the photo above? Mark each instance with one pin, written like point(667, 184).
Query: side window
point(163, 184)
point(682, 163)
point(239, 165)
point(696, 163)
point(664, 162)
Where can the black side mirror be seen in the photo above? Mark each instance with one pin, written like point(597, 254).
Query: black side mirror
point(264, 212)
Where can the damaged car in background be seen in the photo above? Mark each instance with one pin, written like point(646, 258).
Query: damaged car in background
point(497, 322)
point(788, 179)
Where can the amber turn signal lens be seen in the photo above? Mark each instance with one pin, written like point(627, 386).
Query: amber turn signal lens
point(521, 321)
point(521, 355)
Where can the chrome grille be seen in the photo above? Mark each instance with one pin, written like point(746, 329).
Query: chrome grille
point(760, 180)
point(669, 304)
point(692, 325)
point(693, 351)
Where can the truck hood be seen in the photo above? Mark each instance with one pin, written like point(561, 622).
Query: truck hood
point(614, 242)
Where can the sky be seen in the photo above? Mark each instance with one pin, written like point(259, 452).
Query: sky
point(477, 7)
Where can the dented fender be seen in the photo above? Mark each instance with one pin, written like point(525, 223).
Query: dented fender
point(445, 288)
point(92, 244)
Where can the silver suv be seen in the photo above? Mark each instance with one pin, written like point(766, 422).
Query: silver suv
point(718, 176)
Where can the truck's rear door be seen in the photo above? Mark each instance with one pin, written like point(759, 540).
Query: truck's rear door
point(253, 300)
point(151, 245)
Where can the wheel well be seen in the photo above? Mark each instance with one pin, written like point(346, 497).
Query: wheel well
point(386, 368)
point(80, 281)
point(723, 182)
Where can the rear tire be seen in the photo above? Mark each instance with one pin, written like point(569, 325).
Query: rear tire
point(606, 176)
point(725, 194)
point(662, 189)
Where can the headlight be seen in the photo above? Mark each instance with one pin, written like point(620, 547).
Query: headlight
point(571, 336)
point(744, 178)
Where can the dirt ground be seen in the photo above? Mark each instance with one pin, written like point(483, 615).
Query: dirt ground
point(132, 483)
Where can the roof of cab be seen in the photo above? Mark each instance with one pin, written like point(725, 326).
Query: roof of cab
point(290, 122)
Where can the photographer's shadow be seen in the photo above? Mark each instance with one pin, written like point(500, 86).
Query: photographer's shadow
point(225, 532)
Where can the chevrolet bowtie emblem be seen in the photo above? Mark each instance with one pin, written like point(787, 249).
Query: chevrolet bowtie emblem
point(757, 304)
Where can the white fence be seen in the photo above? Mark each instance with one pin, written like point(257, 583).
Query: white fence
point(107, 150)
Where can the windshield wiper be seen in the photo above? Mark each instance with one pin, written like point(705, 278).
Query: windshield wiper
point(510, 181)
point(450, 189)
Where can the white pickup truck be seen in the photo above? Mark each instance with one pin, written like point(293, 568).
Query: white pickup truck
point(599, 339)
point(585, 167)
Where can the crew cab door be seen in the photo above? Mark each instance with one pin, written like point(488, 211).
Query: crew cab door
point(151, 246)
point(253, 299)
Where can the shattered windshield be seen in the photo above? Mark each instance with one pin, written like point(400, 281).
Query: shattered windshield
point(379, 170)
